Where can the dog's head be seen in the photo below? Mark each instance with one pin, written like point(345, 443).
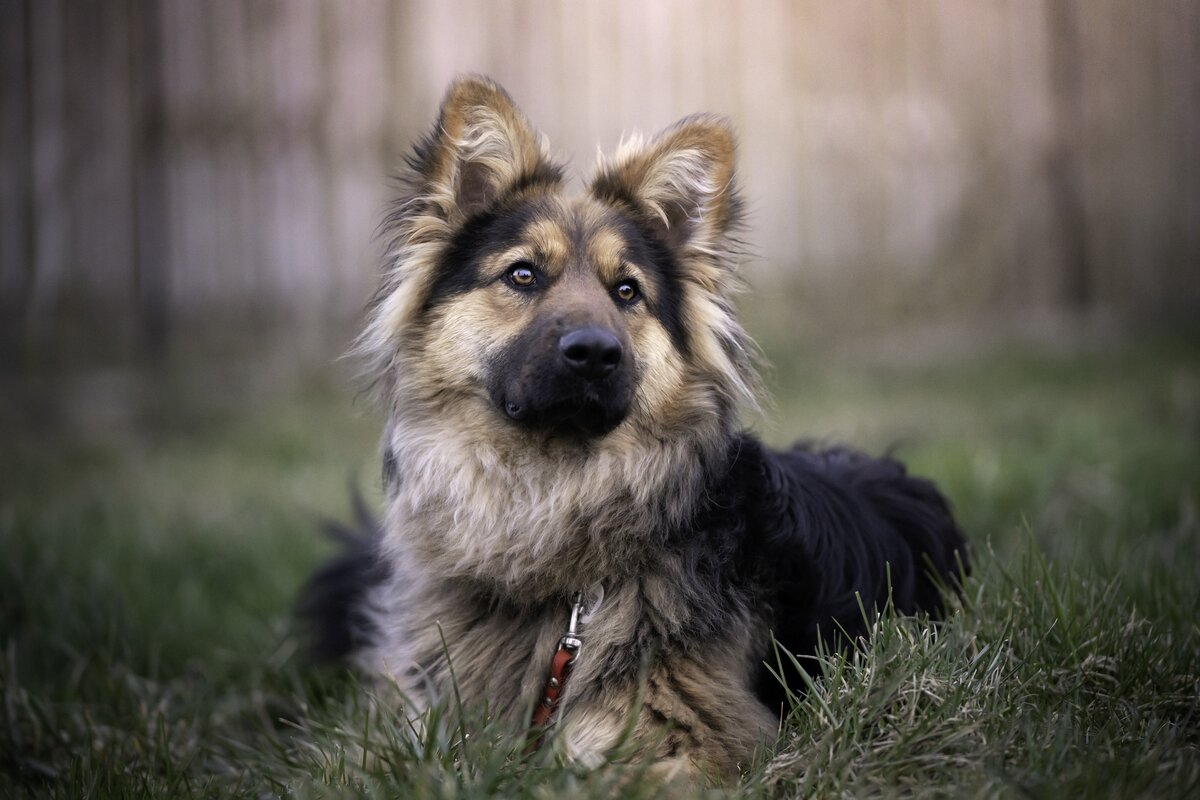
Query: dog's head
point(508, 302)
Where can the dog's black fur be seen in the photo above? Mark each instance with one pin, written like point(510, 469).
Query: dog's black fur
point(334, 601)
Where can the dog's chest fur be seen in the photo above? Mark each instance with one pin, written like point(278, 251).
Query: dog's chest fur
point(673, 631)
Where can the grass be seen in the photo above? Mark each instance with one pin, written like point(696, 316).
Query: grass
point(155, 527)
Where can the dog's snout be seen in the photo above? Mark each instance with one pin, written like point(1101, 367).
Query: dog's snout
point(591, 352)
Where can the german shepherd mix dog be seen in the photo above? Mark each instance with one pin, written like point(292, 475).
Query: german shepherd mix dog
point(577, 530)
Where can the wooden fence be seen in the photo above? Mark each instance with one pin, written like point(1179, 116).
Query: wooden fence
point(171, 162)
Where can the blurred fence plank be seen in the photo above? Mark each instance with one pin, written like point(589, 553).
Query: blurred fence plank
point(17, 256)
point(167, 161)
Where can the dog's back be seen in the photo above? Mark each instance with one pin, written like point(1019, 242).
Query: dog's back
point(844, 534)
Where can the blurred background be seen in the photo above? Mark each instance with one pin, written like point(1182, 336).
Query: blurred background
point(976, 236)
point(174, 173)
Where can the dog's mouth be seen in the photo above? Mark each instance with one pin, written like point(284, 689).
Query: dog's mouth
point(587, 415)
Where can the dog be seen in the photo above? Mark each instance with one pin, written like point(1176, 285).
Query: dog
point(577, 531)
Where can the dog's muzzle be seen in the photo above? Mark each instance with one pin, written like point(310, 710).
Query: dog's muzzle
point(574, 382)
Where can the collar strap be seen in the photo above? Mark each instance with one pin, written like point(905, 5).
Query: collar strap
point(563, 661)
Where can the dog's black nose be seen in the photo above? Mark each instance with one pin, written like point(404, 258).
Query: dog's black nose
point(590, 352)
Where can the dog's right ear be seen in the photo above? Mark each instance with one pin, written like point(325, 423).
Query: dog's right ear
point(482, 149)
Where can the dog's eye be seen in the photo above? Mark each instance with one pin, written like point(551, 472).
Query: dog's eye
point(521, 275)
point(626, 291)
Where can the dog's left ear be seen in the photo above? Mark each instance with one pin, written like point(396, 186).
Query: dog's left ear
point(681, 184)
point(682, 181)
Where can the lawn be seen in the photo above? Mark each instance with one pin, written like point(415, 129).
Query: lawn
point(155, 526)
